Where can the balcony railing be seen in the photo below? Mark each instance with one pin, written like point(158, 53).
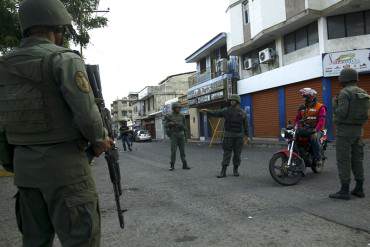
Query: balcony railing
point(199, 78)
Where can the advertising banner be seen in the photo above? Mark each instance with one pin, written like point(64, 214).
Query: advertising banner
point(333, 63)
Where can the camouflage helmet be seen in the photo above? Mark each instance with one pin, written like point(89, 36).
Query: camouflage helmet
point(43, 13)
point(348, 75)
point(176, 105)
point(235, 97)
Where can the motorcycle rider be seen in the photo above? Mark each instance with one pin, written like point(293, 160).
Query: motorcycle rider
point(311, 118)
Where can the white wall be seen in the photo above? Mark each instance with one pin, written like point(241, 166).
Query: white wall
point(303, 70)
point(236, 35)
point(321, 4)
point(307, 52)
point(159, 130)
point(265, 14)
point(350, 43)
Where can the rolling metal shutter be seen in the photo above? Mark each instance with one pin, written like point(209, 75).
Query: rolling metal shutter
point(364, 84)
point(294, 100)
point(266, 114)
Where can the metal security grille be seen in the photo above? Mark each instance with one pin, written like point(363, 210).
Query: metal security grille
point(266, 114)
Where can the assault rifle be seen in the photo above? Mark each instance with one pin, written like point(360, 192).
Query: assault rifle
point(111, 156)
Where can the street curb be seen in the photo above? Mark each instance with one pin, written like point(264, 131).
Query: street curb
point(271, 144)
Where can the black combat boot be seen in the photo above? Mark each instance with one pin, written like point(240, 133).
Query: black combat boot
point(359, 189)
point(223, 172)
point(185, 166)
point(172, 167)
point(343, 194)
point(236, 173)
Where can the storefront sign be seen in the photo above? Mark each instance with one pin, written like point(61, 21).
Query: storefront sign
point(206, 89)
point(214, 85)
point(193, 101)
point(204, 99)
point(210, 90)
point(333, 63)
point(218, 95)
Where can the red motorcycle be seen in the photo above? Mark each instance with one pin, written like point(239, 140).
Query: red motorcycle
point(287, 167)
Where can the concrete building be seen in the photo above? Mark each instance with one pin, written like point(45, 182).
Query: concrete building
point(286, 45)
point(210, 87)
point(155, 97)
point(122, 110)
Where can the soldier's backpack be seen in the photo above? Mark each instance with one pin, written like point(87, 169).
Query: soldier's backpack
point(359, 105)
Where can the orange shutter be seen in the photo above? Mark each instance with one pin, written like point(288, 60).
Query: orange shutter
point(266, 114)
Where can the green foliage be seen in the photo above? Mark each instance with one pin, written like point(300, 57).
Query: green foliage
point(10, 33)
point(82, 12)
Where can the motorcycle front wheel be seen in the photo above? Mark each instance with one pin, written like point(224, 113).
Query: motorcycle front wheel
point(318, 168)
point(283, 174)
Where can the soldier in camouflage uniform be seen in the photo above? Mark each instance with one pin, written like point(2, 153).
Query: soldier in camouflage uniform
point(49, 114)
point(350, 114)
point(235, 128)
point(176, 130)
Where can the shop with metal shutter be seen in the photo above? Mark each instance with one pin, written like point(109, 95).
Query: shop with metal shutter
point(266, 114)
point(364, 84)
point(293, 99)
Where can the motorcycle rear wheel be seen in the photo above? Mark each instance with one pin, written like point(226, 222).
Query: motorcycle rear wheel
point(284, 175)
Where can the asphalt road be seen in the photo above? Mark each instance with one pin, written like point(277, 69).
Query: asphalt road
point(194, 208)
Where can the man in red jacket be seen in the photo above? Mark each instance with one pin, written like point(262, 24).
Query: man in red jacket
point(312, 118)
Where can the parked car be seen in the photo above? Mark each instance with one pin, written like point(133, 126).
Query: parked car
point(142, 135)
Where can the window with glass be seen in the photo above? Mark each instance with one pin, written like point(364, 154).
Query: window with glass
point(349, 25)
point(301, 38)
point(203, 65)
point(246, 12)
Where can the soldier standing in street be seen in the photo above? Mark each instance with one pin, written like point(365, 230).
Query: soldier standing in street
point(350, 114)
point(176, 130)
point(235, 128)
point(49, 114)
point(125, 136)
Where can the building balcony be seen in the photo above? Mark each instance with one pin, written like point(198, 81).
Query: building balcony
point(199, 78)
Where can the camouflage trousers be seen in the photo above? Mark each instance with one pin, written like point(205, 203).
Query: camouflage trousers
point(232, 145)
point(178, 141)
point(71, 212)
point(350, 157)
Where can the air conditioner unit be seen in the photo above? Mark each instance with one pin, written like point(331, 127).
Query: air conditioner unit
point(249, 63)
point(267, 55)
point(222, 66)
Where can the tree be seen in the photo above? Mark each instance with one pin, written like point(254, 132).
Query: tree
point(10, 32)
point(82, 12)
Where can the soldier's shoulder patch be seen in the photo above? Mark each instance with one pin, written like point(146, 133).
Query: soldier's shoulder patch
point(82, 82)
